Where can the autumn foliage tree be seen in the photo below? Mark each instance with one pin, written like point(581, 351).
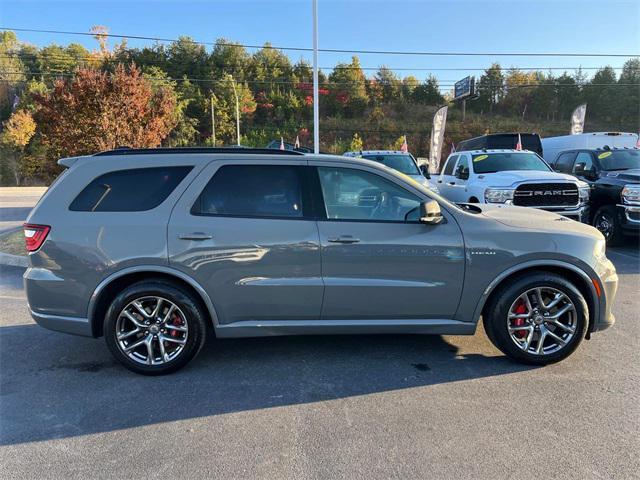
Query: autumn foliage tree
point(97, 111)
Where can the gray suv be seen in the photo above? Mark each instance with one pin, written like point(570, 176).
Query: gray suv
point(155, 249)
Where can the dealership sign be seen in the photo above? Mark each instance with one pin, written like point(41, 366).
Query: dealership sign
point(464, 88)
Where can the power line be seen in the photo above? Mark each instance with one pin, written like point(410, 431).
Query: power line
point(89, 59)
point(331, 50)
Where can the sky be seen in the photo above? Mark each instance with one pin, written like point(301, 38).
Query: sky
point(583, 26)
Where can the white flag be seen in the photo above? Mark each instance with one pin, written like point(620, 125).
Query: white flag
point(577, 119)
point(437, 139)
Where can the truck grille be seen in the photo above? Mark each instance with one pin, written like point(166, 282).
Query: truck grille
point(546, 195)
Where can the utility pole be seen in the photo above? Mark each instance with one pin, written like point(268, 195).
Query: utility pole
point(464, 108)
point(235, 93)
point(316, 100)
point(213, 124)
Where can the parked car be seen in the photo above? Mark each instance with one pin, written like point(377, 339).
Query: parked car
point(512, 177)
point(493, 141)
point(403, 162)
point(614, 178)
point(155, 249)
point(553, 146)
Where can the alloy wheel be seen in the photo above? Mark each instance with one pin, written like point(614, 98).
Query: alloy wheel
point(605, 224)
point(542, 320)
point(151, 330)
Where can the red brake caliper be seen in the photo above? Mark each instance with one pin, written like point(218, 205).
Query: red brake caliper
point(178, 323)
point(519, 309)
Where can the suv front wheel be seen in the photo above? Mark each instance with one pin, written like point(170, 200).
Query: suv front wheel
point(154, 328)
point(538, 319)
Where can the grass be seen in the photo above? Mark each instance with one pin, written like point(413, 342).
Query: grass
point(13, 243)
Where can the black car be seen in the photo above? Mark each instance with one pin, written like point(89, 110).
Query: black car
point(614, 177)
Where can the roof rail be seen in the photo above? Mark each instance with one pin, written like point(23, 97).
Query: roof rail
point(190, 150)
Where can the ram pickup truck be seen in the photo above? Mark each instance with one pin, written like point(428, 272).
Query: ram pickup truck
point(512, 177)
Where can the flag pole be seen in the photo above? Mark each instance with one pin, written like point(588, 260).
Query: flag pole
point(316, 106)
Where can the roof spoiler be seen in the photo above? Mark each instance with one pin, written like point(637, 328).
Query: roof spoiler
point(69, 161)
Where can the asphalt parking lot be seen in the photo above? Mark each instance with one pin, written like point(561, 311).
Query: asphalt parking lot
point(321, 407)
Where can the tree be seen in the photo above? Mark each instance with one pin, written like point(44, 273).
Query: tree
point(100, 111)
point(389, 83)
point(629, 91)
point(187, 58)
point(17, 133)
point(601, 94)
point(348, 91)
point(12, 72)
point(428, 92)
point(567, 95)
point(490, 89)
point(356, 143)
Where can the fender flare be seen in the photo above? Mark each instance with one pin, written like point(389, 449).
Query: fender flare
point(596, 302)
point(152, 269)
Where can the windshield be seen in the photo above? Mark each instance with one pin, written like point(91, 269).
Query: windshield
point(619, 159)
point(499, 162)
point(402, 163)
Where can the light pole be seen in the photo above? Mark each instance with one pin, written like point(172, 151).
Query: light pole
point(213, 124)
point(316, 106)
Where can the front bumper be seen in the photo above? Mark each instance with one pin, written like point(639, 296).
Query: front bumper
point(609, 282)
point(579, 213)
point(629, 216)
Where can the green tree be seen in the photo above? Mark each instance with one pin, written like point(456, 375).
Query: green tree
point(490, 89)
point(389, 83)
point(12, 72)
point(629, 92)
point(428, 92)
point(348, 88)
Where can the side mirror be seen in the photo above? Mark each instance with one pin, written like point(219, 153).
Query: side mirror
point(425, 171)
point(462, 173)
point(430, 213)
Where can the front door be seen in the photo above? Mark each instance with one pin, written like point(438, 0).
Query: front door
point(378, 261)
point(243, 231)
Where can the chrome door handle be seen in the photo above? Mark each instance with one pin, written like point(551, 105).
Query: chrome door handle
point(194, 236)
point(343, 239)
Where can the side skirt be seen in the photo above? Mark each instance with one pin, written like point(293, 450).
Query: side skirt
point(250, 328)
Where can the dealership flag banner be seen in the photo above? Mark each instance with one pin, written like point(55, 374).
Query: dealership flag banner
point(437, 138)
point(577, 119)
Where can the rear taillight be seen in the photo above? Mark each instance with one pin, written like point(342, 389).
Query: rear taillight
point(35, 235)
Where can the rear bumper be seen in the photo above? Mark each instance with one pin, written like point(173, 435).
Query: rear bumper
point(72, 325)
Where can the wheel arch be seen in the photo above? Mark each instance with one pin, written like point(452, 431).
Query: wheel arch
point(578, 277)
point(116, 282)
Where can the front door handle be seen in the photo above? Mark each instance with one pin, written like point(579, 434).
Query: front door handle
point(452, 183)
point(343, 239)
point(194, 236)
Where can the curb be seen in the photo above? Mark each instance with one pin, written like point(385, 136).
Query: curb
point(13, 260)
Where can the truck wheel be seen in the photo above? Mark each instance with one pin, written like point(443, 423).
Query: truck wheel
point(606, 220)
point(154, 328)
point(540, 318)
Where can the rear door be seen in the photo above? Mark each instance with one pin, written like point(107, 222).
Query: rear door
point(243, 230)
point(378, 261)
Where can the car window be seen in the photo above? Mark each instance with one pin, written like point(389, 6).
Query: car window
point(254, 191)
point(351, 194)
point(583, 163)
point(564, 162)
point(463, 166)
point(133, 190)
point(448, 169)
point(402, 163)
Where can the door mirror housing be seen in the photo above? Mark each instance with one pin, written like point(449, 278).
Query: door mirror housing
point(425, 171)
point(430, 213)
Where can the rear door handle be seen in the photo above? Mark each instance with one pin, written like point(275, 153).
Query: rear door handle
point(343, 239)
point(194, 236)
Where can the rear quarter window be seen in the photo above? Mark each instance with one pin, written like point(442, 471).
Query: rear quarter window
point(133, 190)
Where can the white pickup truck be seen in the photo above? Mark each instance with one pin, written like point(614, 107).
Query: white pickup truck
point(512, 177)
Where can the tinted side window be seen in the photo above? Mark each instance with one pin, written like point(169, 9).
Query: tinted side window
point(351, 194)
point(462, 170)
point(253, 191)
point(564, 162)
point(134, 190)
point(448, 168)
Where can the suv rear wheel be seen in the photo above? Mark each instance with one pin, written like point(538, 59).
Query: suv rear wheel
point(154, 328)
point(538, 319)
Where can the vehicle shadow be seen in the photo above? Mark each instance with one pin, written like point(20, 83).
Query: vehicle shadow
point(58, 386)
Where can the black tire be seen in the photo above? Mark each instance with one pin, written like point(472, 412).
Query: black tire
point(189, 306)
point(607, 222)
point(497, 310)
